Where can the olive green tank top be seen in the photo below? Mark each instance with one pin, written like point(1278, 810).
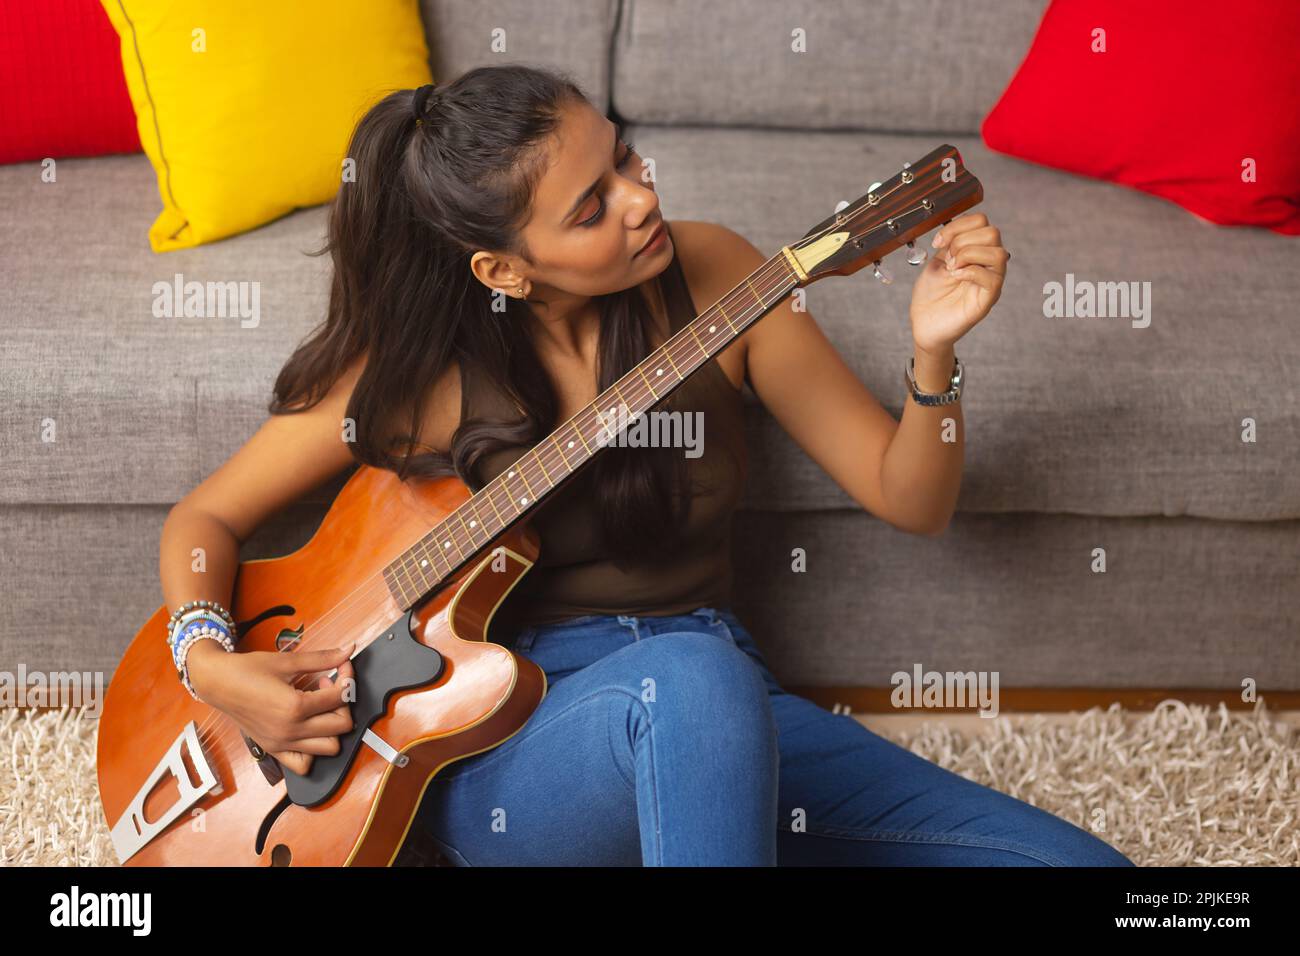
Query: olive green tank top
point(573, 575)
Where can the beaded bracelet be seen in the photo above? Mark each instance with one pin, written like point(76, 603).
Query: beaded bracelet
point(178, 629)
point(196, 631)
point(210, 605)
point(195, 621)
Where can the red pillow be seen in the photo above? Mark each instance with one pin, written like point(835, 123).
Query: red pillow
point(62, 89)
point(1186, 92)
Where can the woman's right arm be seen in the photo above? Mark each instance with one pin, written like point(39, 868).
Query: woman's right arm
point(288, 456)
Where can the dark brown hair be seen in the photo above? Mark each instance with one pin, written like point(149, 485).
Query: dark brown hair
point(400, 236)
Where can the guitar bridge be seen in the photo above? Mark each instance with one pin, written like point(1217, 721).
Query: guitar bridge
point(132, 831)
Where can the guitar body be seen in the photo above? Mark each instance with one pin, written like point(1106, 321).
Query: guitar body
point(237, 811)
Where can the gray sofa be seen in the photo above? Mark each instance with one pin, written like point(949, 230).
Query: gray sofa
point(1081, 433)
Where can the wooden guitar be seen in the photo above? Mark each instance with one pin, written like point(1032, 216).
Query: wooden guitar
point(414, 572)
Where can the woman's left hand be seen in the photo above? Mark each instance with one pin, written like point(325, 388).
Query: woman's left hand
point(960, 282)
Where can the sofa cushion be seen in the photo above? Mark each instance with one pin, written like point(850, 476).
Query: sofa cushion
point(897, 65)
point(1091, 416)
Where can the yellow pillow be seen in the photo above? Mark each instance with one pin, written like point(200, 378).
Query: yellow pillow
point(245, 108)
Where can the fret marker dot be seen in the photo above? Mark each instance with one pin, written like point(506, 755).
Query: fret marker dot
point(510, 474)
point(659, 371)
point(424, 563)
point(712, 327)
point(473, 523)
point(523, 501)
point(570, 444)
point(446, 544)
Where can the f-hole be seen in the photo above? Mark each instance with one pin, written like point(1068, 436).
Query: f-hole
point(280, 850)
point(280, 610)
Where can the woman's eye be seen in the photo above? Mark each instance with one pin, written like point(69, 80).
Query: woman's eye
point(600, 208)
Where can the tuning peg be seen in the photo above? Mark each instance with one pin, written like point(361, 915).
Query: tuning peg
point(915, 256)
point(884, 275)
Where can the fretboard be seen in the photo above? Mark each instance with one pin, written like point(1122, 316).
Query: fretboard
point(524, 485)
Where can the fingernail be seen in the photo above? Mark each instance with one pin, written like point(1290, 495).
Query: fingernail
point(938, 236)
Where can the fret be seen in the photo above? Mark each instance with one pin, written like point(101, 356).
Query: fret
point(669, 355)
point(401, 587)
point(565, 458)
point(476, 519)
point(622, 399)
point(524, 478)
point(578, 432)
point(647, 383)
point(461, 519)
point(728, 318)
point(755, 291)
point(487, 493)
point(394, 587)
point(403, 579)
point(542, 465)
point(514, 503)
point(691, 327)
point(422, 563)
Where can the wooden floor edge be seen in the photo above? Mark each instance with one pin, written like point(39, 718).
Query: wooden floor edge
point(878, 700)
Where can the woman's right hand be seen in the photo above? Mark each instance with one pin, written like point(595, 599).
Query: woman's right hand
point(259, 691)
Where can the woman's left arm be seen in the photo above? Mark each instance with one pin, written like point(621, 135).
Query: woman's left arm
point(904, 472)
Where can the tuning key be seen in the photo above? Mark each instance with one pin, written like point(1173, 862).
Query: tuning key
point(915, 256)
point(884, 275)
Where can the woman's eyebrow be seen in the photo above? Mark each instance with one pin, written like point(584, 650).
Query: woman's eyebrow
point(618, 134)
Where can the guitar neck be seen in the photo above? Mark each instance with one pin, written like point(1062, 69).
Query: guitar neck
point(539, 472)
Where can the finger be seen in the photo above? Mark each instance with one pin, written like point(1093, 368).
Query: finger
point(306, 662)
point(980, 276)
point(994, 257)
point(321, 746)
point(298, 763)
point(331, 696)
point(323, 725)
point(983, 236)
point(958, 226)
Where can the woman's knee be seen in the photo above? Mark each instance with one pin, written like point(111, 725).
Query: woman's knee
point(700, 668)
point(703, 685)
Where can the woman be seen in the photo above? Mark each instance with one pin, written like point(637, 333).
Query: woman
point(498, 262)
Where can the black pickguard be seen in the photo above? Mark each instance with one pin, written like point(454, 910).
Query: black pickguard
point(391, 662)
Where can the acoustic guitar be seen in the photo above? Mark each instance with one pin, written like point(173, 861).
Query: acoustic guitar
point(414, 572)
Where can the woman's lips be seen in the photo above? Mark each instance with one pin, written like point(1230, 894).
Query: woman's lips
point(653, 241)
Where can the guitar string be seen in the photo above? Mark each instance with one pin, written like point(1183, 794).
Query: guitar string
point(375, 583)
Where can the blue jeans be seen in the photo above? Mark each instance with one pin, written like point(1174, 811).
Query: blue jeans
point(666, 741)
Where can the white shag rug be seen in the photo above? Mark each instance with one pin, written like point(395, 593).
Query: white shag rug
point(1177, 786)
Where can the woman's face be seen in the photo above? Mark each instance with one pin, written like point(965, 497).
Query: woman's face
point(591, 215)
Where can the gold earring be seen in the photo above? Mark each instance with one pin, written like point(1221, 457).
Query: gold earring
point(521, 293)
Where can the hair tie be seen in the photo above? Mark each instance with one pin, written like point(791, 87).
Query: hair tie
point(420, 101)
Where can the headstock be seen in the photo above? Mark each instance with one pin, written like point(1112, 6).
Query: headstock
point(920, 196)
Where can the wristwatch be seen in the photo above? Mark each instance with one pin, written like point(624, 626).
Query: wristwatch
point(932, 398)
